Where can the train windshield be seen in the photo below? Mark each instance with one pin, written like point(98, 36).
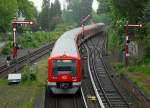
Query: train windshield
point(64, 66)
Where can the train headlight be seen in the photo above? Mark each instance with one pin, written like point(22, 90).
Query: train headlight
point(54, 77)
point(64, 77)
point(74, 78)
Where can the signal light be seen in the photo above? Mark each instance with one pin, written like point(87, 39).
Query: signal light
point(54, 77)
point(14, 29)
point(128, 41)
point(31, 22)
point(74, 78)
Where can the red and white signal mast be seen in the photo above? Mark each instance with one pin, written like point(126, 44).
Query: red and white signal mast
point(126, 30)
point(14, 26)
point(82, 24)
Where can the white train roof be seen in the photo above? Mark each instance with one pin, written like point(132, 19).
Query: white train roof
point(66, 44)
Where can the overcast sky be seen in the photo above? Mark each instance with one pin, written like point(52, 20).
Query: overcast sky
point(38, 4)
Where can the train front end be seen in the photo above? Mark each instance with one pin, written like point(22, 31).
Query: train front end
point(64, 74)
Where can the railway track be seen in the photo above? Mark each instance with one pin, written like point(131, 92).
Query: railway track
point(64, 101)
point(107, 93)
point(22, 61)
point(87, 84)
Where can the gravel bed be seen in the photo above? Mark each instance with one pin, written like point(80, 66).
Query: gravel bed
point(20, 53)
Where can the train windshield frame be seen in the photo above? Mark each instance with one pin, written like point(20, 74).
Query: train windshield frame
point(64, 66)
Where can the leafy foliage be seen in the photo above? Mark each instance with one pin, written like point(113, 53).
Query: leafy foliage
point(131, 9)
point(146, 20)
point(86, 8)
point(7, 13)
point(9, 10)
point(27, 9)
point(7, 48)
point(35, 39)
point(50, 15)
point(77, 11)
point(103, 7)
point(72, 14)
point(44, 15)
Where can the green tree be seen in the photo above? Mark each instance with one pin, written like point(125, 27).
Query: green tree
point(78, 10)
point(103, 7)
point(74, 10)
point(44, 15)
point(146, 21)
point(86, 8)
point(27, 9)
point(50, 15)
point(131, 9)
point(8, 9)
point(104, 12)
point(146, 13)
point(55, 14)
point(57, 8)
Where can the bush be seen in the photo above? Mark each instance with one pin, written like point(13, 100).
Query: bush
point(24, 77)
point(28, 76)
point(7, 48)
point(131, 69)
point(143, 60)
point(32, 76)
point(118, 66)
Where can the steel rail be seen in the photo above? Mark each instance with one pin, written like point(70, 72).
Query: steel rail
point(99, 82)
point(23, 60)
point(83, 97)
point(92, 81)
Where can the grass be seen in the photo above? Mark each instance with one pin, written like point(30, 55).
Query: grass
point(14, 96)
point(139, 75)
point(141, 80)
point(23, 95)
point(145, 69)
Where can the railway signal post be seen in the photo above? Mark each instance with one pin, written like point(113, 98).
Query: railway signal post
point(14, 25)
point(14, 28)
point(16, 77)
point(82, 24)
point(126, 30)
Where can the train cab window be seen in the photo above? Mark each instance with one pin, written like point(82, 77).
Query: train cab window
point(64, 66)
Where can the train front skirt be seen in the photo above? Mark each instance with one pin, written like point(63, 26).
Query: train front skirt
point(64, 88)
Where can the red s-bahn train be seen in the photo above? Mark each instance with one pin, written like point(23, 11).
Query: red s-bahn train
point(64, 63)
